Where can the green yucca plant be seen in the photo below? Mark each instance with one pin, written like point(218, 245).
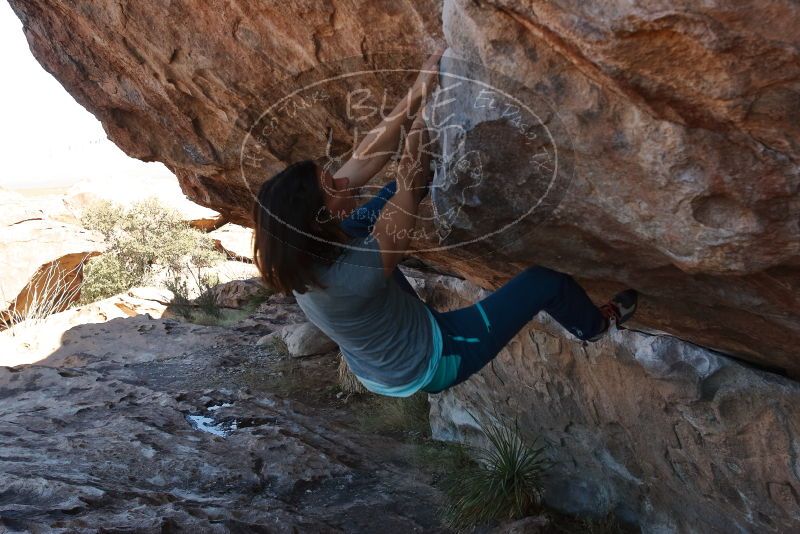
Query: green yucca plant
point(504, 484)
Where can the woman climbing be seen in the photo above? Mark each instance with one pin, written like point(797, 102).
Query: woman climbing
point(340, 262)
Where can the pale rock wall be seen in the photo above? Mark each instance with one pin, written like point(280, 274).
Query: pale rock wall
point(660, 432)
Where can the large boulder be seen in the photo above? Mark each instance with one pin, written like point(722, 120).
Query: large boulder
point(654, 430)
point(678, 174)
point(301, 339)
point(677, 125)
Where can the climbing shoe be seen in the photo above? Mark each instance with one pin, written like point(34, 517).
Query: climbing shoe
point(619, 309)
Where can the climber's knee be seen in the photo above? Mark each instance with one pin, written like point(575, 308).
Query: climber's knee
point(548, 284)
point(541, 272)
point(545, 277)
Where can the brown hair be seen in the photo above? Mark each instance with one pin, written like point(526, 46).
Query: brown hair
point(294, 231)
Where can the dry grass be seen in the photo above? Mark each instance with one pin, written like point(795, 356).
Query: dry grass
point(52, 289)
point(347, 380)
point(396, 415)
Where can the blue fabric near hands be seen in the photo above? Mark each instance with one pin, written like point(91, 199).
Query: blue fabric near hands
point(360, 222)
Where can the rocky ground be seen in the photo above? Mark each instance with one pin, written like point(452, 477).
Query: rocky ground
point(157, 425)
point(134, 419)
point(143, 424)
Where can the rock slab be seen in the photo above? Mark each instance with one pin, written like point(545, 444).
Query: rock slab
point(657, 431)
point(153, 425)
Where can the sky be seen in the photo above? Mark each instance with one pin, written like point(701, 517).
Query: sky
point(47, 139)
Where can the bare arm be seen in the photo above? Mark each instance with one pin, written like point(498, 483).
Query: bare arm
point(398, 218)
point(381, 142)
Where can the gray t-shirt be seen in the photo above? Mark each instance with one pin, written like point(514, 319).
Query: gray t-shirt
point(384, 332)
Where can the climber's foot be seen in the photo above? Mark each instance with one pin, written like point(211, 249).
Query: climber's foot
point(619, 309)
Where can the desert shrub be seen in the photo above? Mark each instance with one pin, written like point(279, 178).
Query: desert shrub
point(203, 309)
point(141, 238)
point(181, 304)
point(103, 216)
point(504, 483)
point(106, 275)
point(207, 301)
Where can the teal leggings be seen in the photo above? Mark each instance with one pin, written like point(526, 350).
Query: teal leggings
point(474, 335)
